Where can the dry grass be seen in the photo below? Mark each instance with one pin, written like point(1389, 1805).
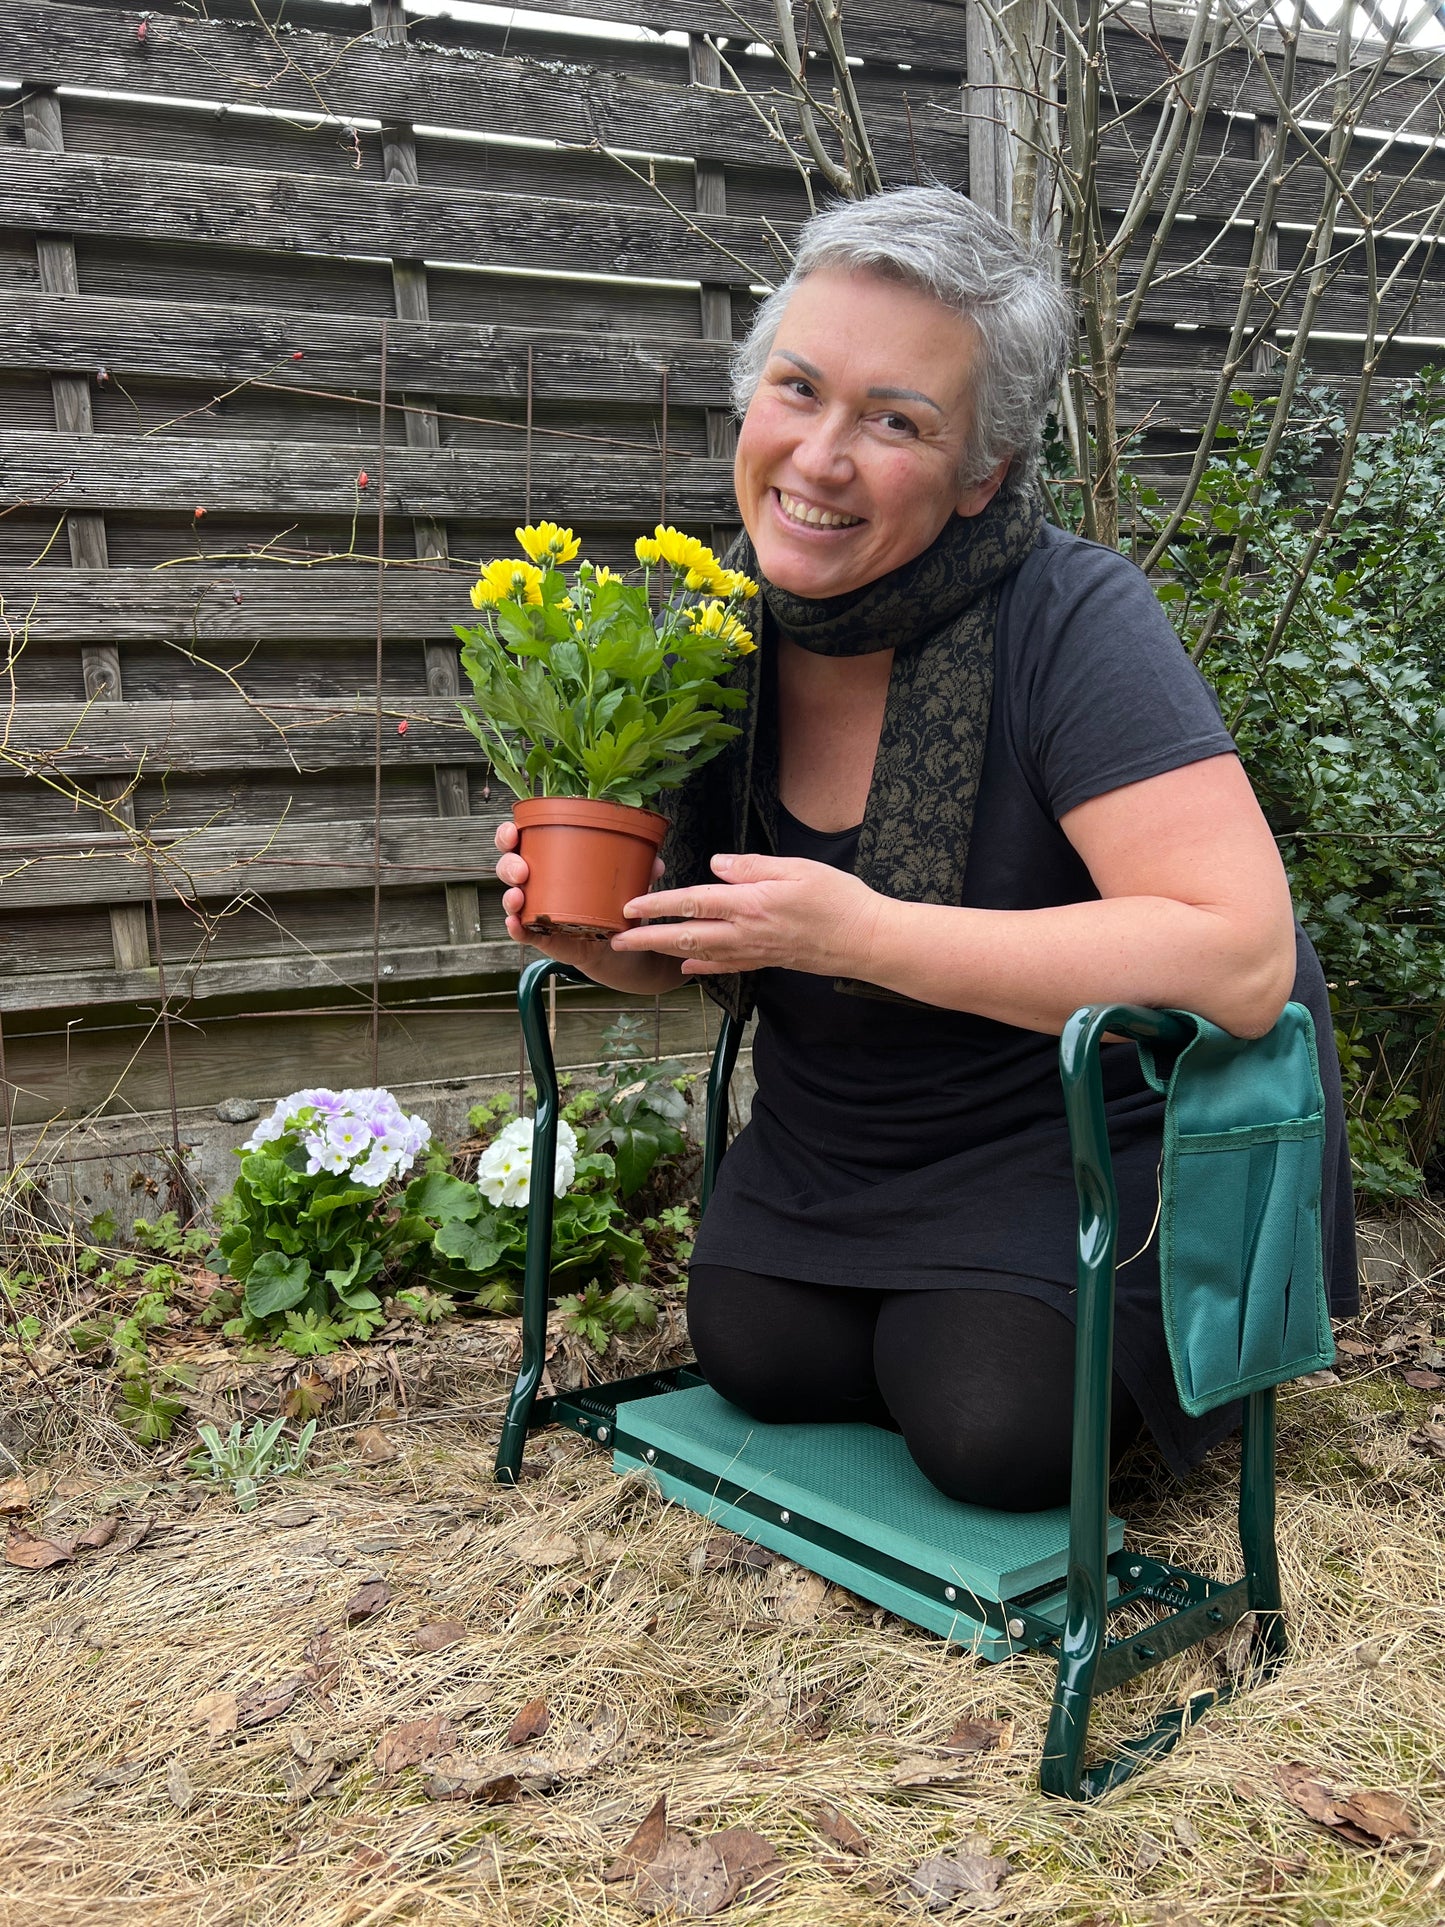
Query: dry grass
point(741, 1716)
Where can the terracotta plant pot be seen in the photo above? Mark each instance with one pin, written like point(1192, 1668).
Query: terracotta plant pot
point(585, 859)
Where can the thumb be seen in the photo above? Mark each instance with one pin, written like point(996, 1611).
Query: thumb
point(752, 867)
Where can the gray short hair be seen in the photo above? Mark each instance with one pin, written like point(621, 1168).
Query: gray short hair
point(938, 241)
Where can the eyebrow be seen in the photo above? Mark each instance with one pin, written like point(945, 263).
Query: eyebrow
point(874, 394)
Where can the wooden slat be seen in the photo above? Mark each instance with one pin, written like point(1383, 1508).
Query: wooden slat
point(923, 33)
point(253, 207)
point(301, 73)
point(1224, 190)
point(319, 478)
point(187, 605)
point(196, 982)
point(223, 344)
point(45, 872)
point(1210, 297)
point(187, 737)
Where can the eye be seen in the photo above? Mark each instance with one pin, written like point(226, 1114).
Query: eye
point(898, 424)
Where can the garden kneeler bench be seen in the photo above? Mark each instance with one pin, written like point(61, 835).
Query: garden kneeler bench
point(1244, 1304)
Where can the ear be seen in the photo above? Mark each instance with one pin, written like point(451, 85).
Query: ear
point(976, 497)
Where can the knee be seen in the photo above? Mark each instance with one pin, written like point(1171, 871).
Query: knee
point(1006, 1468)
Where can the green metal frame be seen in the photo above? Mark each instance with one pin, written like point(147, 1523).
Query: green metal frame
point(1098, 1583)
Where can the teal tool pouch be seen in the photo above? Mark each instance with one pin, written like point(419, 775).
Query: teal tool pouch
point(1240, 1252)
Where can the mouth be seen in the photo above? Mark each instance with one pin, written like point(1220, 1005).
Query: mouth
point(811, 515)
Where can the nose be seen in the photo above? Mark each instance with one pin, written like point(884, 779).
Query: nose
point(823, 451)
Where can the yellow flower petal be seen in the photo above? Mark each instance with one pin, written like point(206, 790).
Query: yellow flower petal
point(546, 542)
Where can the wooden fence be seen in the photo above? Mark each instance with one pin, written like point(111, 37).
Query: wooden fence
point(280, 304)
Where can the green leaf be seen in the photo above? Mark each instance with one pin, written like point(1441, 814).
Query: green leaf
point(477, 1250)
point(275, 1284)
point(443, 1198)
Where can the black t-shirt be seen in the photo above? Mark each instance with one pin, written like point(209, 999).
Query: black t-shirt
point(893, 1146)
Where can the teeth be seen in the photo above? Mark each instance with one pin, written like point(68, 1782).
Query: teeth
point(815, 517)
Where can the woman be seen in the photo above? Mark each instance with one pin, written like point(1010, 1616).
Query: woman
point(980, 785)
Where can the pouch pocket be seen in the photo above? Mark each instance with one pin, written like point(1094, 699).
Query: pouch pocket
point(1241, 1260)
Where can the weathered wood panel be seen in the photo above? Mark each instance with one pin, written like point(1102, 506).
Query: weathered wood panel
point(38, 872)
point(924, 33)
point(224, 344)
point(192, 981)
point(304, 72)
point(149, 200)
point(64, 472)
point(1209, 297)
point(192, 735)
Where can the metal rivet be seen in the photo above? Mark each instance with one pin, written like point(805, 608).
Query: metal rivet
point(649, 1454)
point(1016, 1629)
point(1147, 1652)
point(1215, 1614)
point(1136, 1572)
point(950, 1593)
point(603, 1434)
point(786, 1518)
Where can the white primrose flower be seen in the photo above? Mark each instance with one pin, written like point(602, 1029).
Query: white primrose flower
point(504, 1170)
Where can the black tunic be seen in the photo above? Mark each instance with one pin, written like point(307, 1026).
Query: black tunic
point(897, 1145)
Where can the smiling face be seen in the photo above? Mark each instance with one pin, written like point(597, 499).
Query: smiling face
point(848, 458)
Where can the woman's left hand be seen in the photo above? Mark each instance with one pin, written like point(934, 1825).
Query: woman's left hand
point(768, 912)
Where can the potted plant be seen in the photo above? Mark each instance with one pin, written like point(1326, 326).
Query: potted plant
point(593, 694)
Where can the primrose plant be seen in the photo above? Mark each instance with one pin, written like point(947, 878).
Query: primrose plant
point(306, 1229)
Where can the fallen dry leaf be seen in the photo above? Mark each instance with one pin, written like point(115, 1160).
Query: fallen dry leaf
point(725, 1552)
point(980, 1736)
point(371, 1597)
point(926, 1769)
point(218, 1713)
point(1148, 1854)
point(1367, 1818)
point(943, 1877)
point(17, 1496)
point(1184, 1832)
point(1355, 1347)
point(1430, 1439)
point(546, 1548)
point(494, 1778)
point(412, 1742)
point(841, 1830)
point(1424, 1381)
point(296, 1512)
point(305, 1783)
point(530, 1724)
point(23, 1549)
point(585, 1744)
point(1314, 1379)
point(179, 1790)
point(100, 1534)
point(373, 1447)
point(322, 1666)
point(438, 1635)
point(651, 1835)
point(367, 1861)
point(265, 1703)
point(796, 1596)
point(699, 1878)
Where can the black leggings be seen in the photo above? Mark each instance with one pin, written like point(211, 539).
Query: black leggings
point(979, 1382)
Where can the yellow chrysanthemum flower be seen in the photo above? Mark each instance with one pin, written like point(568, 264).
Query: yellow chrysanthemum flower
point(647, 551)
point(685, 553)
point(731, 582)
point(604, 574)
point(546, 542)
point(713, 620)
point(507, 581)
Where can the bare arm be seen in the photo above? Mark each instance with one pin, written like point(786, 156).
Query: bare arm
point(1194, 912)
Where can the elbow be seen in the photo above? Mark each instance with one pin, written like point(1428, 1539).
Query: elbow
point(1261, 986)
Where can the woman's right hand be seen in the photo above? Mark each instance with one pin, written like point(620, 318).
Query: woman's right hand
point(593, 956)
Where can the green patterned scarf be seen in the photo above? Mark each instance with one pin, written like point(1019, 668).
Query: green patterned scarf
point(938, 614)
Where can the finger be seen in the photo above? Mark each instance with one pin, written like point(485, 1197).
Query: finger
point(513, 904)
point(506, 837)
point(709, 942)
point(708, 901)
point(752, 867)
point(659, 868)
point(511, 869)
